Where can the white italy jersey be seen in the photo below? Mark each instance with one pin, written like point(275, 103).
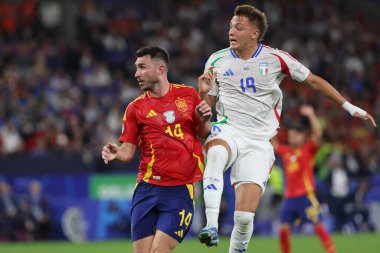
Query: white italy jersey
point(248, 93)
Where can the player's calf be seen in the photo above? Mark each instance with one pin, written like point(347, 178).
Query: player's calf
point(242, 232)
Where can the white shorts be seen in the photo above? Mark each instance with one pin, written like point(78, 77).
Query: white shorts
point(250, 160)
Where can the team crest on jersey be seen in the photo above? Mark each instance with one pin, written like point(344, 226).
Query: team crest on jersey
point(181, 104)
point(263, 68)
point(169, 116)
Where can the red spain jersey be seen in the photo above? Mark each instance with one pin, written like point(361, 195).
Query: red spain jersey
point(298, 168)
point(165, 129)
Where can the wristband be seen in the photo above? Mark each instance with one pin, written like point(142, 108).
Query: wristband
point(352, 109)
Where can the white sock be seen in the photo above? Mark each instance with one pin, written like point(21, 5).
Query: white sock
point(217, 157)
point(242, 232)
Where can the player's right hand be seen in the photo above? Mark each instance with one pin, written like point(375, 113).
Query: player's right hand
point(109, 152)
point(207, 80)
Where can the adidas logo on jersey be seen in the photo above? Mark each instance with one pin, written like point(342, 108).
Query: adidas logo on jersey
point(151, 113)
point(179, 233)
point(228, 73)
point(211, 187)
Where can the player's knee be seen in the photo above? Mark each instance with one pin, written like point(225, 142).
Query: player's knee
point(217, 153)
point(244, 221)
point(217, 157)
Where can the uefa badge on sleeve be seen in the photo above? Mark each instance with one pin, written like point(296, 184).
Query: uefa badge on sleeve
point(263, 68)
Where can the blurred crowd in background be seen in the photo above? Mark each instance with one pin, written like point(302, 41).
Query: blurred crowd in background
point(67, 73)
point(24, 216)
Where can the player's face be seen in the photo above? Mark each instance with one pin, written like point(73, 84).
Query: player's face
point(296, 138)
point(242, 33)
point(147, 72)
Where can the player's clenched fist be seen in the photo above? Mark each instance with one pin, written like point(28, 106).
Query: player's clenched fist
point(203, 111)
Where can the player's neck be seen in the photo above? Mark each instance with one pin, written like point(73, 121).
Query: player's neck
point(246, 53)
point(161, 89)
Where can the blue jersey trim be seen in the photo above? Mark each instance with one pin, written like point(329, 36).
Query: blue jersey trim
point(233, 53)
point(255, 54)
point(258, 50)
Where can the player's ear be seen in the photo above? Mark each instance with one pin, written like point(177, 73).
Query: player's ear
point(161, 69)
point(255, 34)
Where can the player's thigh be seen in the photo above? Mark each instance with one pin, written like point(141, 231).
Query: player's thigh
point(289, 211)
point(221, 134)
point(248, 197)
point(176, 211)
point(143, 245)
point(163, 243)
point(253, 164)
point(143, 211)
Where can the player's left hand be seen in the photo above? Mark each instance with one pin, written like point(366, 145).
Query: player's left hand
point(203, 111)
point(366, 117)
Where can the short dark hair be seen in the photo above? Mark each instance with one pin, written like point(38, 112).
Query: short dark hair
point(155, 53)
point(255, 16)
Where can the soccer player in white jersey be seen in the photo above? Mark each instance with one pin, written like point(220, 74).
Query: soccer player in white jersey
point(243, 82)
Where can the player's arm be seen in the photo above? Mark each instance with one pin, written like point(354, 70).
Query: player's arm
point(205, 84)
point(316, 129)
point(123, 153)
point(329, 91)
point(203, 112)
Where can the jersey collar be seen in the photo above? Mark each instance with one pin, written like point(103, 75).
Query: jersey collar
point(255, 54)
point(148, 95)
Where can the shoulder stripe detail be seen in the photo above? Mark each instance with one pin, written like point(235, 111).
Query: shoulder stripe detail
point(284, 66)
point(220, 51)
point(145, 95)
point(179, 85)
point(217, 59)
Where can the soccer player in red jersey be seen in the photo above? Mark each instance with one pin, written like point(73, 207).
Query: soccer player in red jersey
point(165, 122)
point(299, 199)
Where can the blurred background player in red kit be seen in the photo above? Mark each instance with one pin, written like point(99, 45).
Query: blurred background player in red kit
point(300, 202)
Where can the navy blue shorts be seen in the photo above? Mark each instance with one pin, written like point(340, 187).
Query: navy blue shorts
point(305, 207)
point(169, 209)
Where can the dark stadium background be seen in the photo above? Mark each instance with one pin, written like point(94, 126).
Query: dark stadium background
point(67, 75)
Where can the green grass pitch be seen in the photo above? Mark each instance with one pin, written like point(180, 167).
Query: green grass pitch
point(360, 243)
